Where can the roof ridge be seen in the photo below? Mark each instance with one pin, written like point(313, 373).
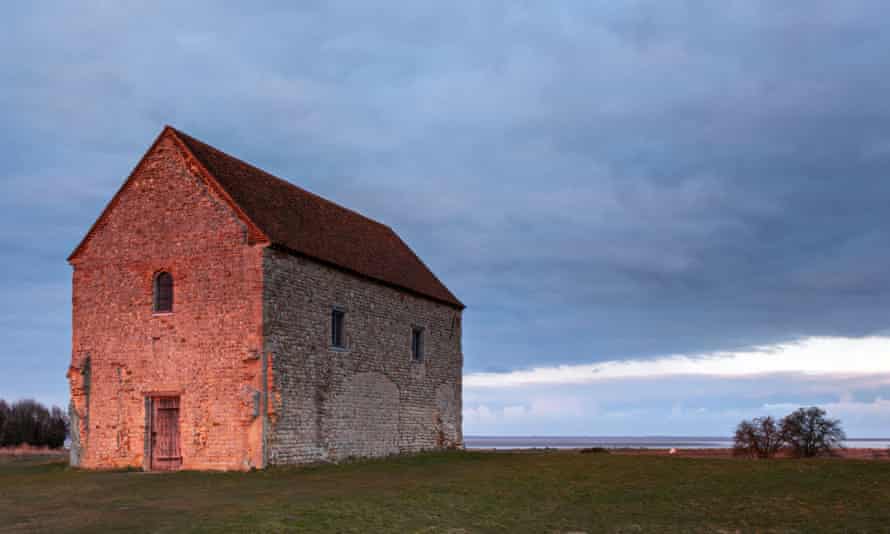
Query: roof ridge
point(274, 177)
point(306, 223)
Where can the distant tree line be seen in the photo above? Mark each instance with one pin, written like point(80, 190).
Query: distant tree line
point(29, 422)
point(805, 432)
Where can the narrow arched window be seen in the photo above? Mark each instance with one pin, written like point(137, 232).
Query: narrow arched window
point(163, 297)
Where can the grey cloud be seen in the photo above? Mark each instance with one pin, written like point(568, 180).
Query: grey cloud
point(596, 180)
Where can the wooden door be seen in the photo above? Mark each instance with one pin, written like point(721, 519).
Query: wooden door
point(165, 453)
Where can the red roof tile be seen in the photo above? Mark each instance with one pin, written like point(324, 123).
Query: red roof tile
point(306, 224)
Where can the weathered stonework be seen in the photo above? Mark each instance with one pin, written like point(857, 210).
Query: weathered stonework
point(369, 399)
point(247, 346)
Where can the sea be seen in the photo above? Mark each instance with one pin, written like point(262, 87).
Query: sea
point(629, 442)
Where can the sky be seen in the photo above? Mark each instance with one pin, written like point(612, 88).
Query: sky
point(663, 216)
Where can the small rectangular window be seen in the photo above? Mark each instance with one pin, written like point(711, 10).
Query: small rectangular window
point(163, 293)
point(417, 344)
point(337, 328)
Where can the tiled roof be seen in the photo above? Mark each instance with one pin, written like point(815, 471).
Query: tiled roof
point(306, 224)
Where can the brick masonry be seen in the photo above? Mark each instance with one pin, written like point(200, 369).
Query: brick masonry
point(166, 218)
point(247, 347)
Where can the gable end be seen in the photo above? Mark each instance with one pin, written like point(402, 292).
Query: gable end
point(194, 166)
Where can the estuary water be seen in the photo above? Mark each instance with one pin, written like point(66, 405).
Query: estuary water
point(631, 442)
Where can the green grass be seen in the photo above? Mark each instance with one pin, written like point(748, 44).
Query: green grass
point(459, 492)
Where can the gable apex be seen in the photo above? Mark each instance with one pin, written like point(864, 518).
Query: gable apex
point(194, 166)
point(299, 222)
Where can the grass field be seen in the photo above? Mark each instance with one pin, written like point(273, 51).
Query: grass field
point(459, 492)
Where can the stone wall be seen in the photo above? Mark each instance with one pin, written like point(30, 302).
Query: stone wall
point(370, 398)
point(208, 350)
point(247, 346)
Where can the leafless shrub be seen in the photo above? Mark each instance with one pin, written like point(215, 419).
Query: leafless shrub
point(809, 433)
point(758, 438)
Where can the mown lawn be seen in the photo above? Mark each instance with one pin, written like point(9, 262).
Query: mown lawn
point(460, 492)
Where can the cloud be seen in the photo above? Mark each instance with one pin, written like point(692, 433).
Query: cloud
point(688, 395)
point(835, 357)
point(843, 408)
point(599, 183)
point(678, 412)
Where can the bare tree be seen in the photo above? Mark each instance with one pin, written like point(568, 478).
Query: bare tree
point(759, 438)
point(809, 433)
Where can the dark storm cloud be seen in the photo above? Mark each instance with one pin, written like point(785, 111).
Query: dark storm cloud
point(595, 180)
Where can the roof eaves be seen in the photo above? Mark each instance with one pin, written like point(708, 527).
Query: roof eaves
point(425, 266)
point(284, 248)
